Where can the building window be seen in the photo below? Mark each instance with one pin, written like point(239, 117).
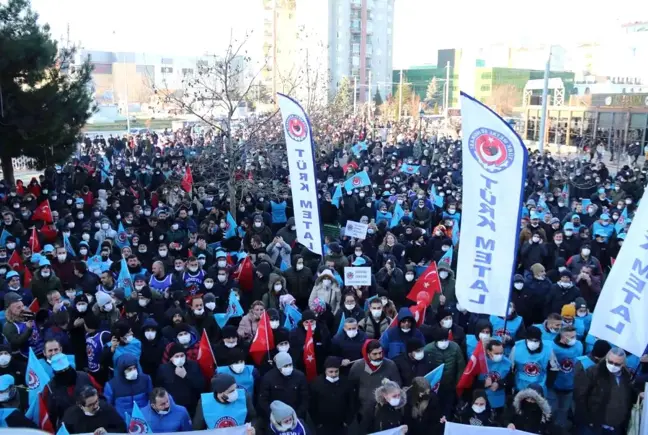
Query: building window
point(486, 76)
point(102, 68)
point(166, 70)
point(485, 88)
point(187, 71)
point(167, 61)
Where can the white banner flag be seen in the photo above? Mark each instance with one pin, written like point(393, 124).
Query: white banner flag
point(464, 429)
point(620, 315)
point(494, 165)
point(394, 431)
point(301, 164)
point(238, 430)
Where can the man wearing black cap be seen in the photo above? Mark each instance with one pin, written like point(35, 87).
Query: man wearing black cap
point(413, 363)
point(331, 400)
point(226, 406)
point(181, 377)
point(600, 349)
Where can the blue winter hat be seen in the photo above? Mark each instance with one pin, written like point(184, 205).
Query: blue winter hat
point(48, 248)
point(78, 201)
point(11, 274)
point(36, 258)
point(605, 217)
point(575, 216)
point(6, 381)
point(568, 226)
point(600, 233)
point(535, 215)
point(44, 262)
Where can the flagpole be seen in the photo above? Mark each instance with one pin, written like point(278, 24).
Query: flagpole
point(265, 328)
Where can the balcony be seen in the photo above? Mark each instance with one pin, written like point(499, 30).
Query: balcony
point(356, 4)
point(355, 26)
point(369, 28)
point(355, 49)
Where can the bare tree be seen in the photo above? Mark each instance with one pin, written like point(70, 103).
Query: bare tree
point(503, 99)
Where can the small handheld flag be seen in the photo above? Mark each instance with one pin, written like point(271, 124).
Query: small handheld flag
point(138, 423)
point(434, 378)
point(124, 280)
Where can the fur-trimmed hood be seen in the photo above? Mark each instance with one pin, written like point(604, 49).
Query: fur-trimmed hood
point(380, 391)
point(529, 393)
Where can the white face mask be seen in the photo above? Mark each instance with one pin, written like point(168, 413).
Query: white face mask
point(612, 368)
point(406, 330)
point(199, 312)
point(332, 380)
point(184, 339)
point(45, 273)
point(179, 268)
point(394, 401)
point(83, 251)
point(418, 356)
point(108, 307)
point(61, 257)
point(498, 358)
point(479, 408)
point(5, 360)
point(131, 375)
point(274, 324)
point(238, 367)
point(179, 362)
point(443, 345)
point(443, 274)
point(376, 313)
point(446, 323)
point(283, 347)
point(257, 224)
point(409, 277)
point(484, 336)
point(586, 252)
point(376, 363)
point(163, 253)
point(533, 345)
point(233, 396)
point(581, 313)
point(230, 344)
point(277, 287)
point(299, 266)
point(210, 305)
point(150, 335)
point(349, 307)
point(518, 285)
point(222, 263)
point(81, 308)
point(351, 333)
point(143, 302)
point(326, 282)
point(286, 371)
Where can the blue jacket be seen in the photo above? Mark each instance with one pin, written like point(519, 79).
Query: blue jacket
point(394, 341)
point(348, 348)
point(177, 420)
point(122, 393)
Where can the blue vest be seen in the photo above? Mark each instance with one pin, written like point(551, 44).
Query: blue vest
point(586, 361)
point(35, 341)
point(383, 216)
point(582, 325)
point(589, 343)
point(497, 371)
point(566, 358)
point(244, 380)
point(512, 327)
point(607, 229)
point(278, 212)
point(94, 347)
point(219, 415)
point(4, 413)
point(298, 430)
point(530, 367)
point(546, 335)
point(632, 363)
point(160, 286)
point(193, 282)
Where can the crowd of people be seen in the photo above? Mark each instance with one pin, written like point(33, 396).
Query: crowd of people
point(111, 346)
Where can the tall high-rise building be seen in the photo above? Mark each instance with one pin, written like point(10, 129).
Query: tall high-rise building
point(363, 34)
point(339, 39)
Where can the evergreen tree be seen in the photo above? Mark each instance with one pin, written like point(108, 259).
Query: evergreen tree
point(377, 98)
point(344, 96)
point(43, 102)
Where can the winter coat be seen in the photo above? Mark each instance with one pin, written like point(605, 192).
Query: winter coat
point(287, 234)
point(426, 422)
point(394, 341)
point(247, 327)
point(332, 403)
point(291, 390)
point(339, 261)
point(409, 368)
point(393, 283)
point(453, 359)
point(330, 295)
point(107, 417)
point(386, 416)
point(152, 351)
point(559, 296)
point(321, 341)
point(205, 323)
point(531, 417)
point(185, 391)
point(122, 393)
point(61, 393)
point(348, 348)
point(41, 286)
point(373, 329)
point(534, 296)
point(601, 399)
point(367, 380)
point(576, 262)
point(176, 420)
point(279, 253)
point(299, 283)
point(271, 299)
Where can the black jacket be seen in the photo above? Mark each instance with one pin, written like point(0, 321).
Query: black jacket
point(429, 422)
point(152, 351)
point(332, 404)
point(409, 368)
point(291, 390)
point(386, 417)
point(186, 392)
point(57, 395)
point(107, 417)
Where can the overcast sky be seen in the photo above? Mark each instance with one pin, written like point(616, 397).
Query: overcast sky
point(192, 27)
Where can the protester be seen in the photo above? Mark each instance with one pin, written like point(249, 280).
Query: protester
point(163, 415)
point(91, 414)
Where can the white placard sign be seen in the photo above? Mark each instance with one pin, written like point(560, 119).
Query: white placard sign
point(356, 230)
point(357, 276)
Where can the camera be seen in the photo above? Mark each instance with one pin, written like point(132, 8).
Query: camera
point(28, 315)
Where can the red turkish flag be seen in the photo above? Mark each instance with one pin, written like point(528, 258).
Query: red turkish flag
point(310, 364)
point(43, 212)
point(428, 283)
point(476, 365)
point(27, 278)
point(16, 262)
point(43, 416)
point(418, 311)
point(263, 340)
point(206, 359)
point(187, 180)
point(34, 243)
point(245, 274)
